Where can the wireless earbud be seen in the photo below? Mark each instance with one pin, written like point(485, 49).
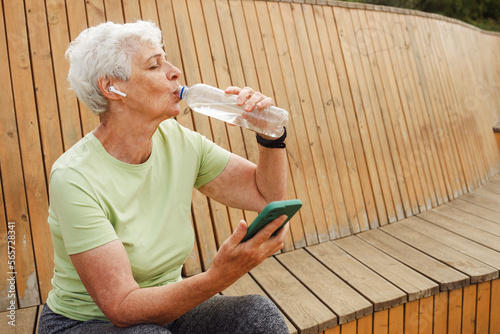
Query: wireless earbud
point(116, 91)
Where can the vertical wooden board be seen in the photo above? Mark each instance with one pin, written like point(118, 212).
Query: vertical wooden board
point(349, 328)
point(205, 31)
point(441, 133)
point(397, 109)
point(231, 74)
point(381, 322)
point(43, 79)
point(440, 321)
point(470, 161)
point(337, 122)
point(13, 200)
point(373, 31)
point(365, 324)
point(396, 319)
point(425, 321)
point(348, 130)
point(296, 159)
point(411, 108)
point(411, 317)
point(469, 308)
point(66, 99)
point(364, 99)
point(4, 258)
point(459, 116)
point(90, 16)
point(483, 307)
point(131, 10)
point(320, 46)
point(428, 128)
point(495, 307)
point(114, 10)
point(27, 122)
point(226, 136)
point(50, 134)
point(319, 92)
point(149, 10)
point(201, 212)
point(372, 111)
point(440, 68)
point(171, 45)
point(425, 151)
point(389, 108)
point(354, 109)
point(455, 311)
point(313, 204)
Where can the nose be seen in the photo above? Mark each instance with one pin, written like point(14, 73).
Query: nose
point(173, 72)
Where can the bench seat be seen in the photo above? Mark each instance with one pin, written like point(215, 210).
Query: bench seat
point(353, 279)
point(448, 248)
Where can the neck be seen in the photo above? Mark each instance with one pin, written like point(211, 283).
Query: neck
point(126, 139)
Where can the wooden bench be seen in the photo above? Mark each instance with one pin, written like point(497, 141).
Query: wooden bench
point(390, 150)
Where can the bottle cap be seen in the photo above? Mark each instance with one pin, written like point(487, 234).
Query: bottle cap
point(181, 90)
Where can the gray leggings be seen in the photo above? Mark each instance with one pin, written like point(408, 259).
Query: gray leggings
point(219, 314)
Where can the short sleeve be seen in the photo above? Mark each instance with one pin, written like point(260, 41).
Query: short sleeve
point(213, 160)
point(75, 207)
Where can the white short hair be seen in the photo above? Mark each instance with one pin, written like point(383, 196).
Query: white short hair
point(106, 50)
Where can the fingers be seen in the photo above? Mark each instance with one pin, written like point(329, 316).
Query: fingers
point(266, 233)
point(250, 98)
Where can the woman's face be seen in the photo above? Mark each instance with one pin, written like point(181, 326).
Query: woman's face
point(152, 84)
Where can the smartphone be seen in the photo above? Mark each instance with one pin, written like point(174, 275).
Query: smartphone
point(272, 211)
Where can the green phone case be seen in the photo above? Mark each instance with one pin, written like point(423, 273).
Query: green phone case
point(272, 211)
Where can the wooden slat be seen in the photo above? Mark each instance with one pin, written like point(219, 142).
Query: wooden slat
point(201, 212)
point(303, 309)
point(495, 307)
point(476, 210)
point(469, 309)
point(347, 303)
point(447, 277)
point(32, 171)
point(373, 287)
point(483, 307)
point(470, 232)
point(66, 100)
point(24, 321)
point(247, 286)
point(457, 242)
point(476, 270)
point(271, 85)
point(440, 323)
point(414, 284)
point(312, 208)
point(317, 80)
point(469, 218)
point(455, 311)
point(490, 201)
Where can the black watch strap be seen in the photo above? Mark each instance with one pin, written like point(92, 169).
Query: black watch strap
point(272, 143)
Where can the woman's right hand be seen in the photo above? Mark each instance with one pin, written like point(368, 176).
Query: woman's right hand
point(236, 258)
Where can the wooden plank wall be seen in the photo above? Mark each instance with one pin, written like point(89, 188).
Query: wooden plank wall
point(391, 112)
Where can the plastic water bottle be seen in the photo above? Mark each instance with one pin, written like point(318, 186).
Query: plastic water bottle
point(215, 103)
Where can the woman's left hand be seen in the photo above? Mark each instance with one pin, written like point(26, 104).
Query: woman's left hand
point(252, 98)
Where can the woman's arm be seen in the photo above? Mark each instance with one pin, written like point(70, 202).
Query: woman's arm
point(242, 184)
point(105, 271)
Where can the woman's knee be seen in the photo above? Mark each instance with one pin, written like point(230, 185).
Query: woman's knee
point(263, 316)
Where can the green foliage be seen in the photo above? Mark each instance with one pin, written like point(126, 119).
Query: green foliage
point(482, 13)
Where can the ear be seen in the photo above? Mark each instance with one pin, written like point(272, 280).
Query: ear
point(104, 83)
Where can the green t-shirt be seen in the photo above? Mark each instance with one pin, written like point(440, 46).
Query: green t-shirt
point(95, 199)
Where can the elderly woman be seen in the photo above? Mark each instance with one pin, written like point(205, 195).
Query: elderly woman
point(120, 202)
